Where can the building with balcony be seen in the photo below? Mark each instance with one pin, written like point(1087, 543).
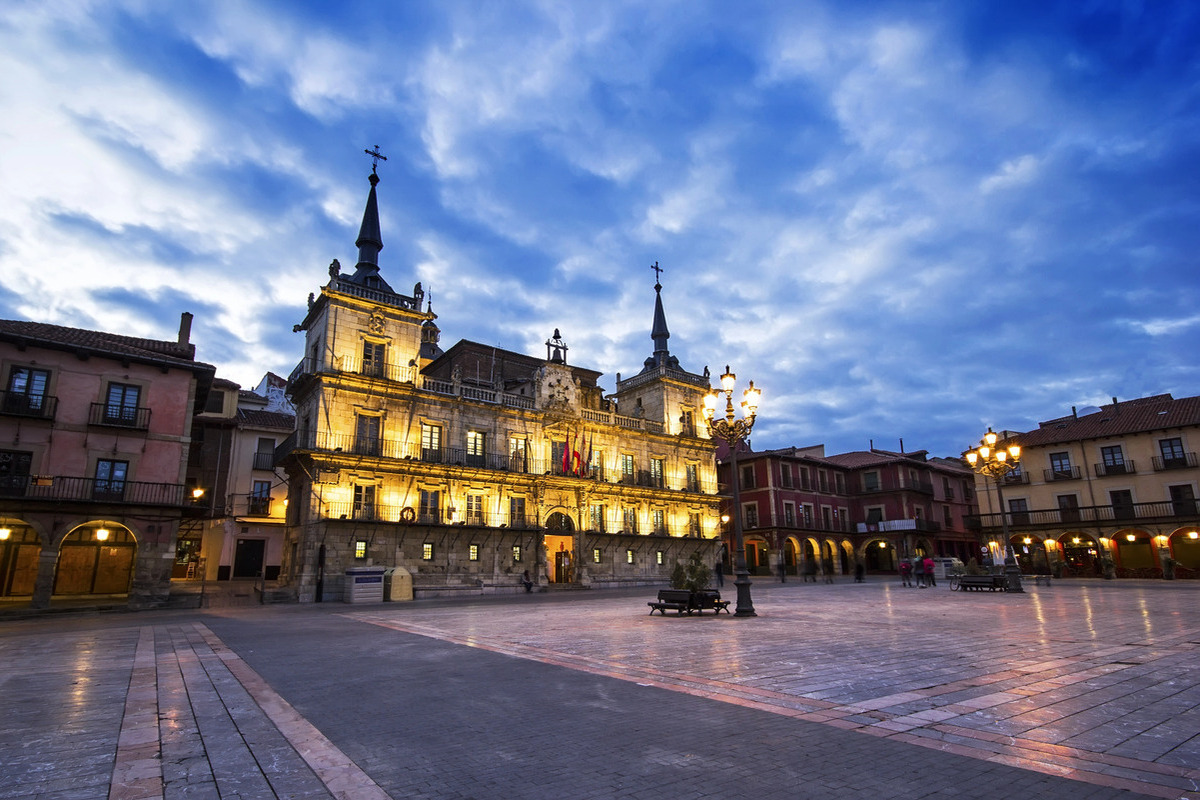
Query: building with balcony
point(803, 508)
point(469, 466)
point(1114, 485)
point(95, 430)
point(240, 531)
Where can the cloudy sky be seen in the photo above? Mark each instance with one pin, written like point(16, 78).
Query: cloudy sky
point(902, 220)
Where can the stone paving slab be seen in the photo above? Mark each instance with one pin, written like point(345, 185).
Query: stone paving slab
point(1077, 691)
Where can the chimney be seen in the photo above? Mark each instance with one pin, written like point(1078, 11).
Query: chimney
point(902, 446)
point(1073, 413)
point(185, 327)
point(1115, 404)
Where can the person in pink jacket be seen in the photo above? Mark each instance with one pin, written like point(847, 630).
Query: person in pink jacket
point(929, 576)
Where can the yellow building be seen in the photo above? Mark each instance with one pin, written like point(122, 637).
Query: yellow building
point(469, 467)
point(1105, 490)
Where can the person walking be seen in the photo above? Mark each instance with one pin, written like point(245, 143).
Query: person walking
point(859, 572)
point(919, 571)
point(810, 570)
point(929, 576)
point(720, 570)
point(906, 573)
point(827, 569)
point(527, 581)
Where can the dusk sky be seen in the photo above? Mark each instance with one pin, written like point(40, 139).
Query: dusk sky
point(902, 220)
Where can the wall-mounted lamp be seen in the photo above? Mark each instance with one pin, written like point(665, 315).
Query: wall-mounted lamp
point(102, 534)
point(197, 493)
point(1130, 537)
point(5, 533)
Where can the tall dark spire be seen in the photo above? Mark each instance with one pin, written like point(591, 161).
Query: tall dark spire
point(658, 332)
point(370, 240)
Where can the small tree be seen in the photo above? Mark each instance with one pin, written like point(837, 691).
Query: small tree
point(973, 567)
point(693, 576)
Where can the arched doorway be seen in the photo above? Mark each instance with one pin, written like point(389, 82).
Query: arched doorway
point(879, 556)
point(1081, 555)
point(758, 560)
point(1031, 554)
point(559, 541)
point(1136, 556)
point(791, 556)
point(96, 558)
point(1185, 548)
point(19, 551)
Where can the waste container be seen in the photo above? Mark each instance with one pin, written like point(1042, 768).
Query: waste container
point(364, 585)
point(397, 584)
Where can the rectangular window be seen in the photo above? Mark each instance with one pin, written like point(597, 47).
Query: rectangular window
point(366, 435)
point(1172, 453)
point(789, 515)
point(1068, 508)
point(264, 454)
point(747, 477)
point(658, 557)
point(14, 472)
point(516, 512)
point(560, 460)
point(360, 548)
point(364, 501)
point(596, 463)
point(659, 519)
point(431, 443)
point(1183, 499)
point(803, 473)
point(26, 391)
point(656, 472)
point(474, 509)
point(473, 552)
point(1122, 503)
point(630, 520)
point(839, 483)
point(427, 551)
point(874, 515)
point(693, 524)
point(750, 515)
point(687, 422)
point(476, 448)
point(628, 468)
point(373, 359)
point(121, 405)
point(215, 402)
point(518, 454)
point(693, 477)
point(431, 507)
point(785, 475)
point(827, 517)
point(807, 511)
point(1114, 459)
point(110, 479)
point(870, 481)
point(595, 555)
point(1019, 508)
point(260, 499)
point(1060, 465)
point(596, 518)
point(947, 517)
point(628, 556)
point(516, 554)
point(823, 480)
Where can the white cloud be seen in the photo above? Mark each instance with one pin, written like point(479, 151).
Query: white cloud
point(1020, 171)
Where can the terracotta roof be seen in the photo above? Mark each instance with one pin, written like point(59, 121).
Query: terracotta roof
point(856, 459)
point(1143, 415)
point(110, 344)
point(254, 418)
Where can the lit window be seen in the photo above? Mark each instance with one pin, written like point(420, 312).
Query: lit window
point(658, 557)
point(360, 549)
point(473, 552)
point(628, 556)
point(517, 553)
point(596, 555)
point(427, 551)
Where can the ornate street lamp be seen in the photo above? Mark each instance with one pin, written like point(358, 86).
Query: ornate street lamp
point(998, 463)
point(734, 432)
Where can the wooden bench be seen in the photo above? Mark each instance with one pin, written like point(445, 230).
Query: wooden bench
point(709, 598)
point(978, 583)
point(678, 600)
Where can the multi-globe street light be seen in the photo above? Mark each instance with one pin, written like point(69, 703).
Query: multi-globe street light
point(997, 463)
point(734, 431)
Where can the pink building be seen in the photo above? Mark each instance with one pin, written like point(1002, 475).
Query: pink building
point(94, 431)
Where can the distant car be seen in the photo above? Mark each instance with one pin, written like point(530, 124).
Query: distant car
point(945, 567)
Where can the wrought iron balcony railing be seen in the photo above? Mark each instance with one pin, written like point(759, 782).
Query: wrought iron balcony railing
point(19, 404)
point(113, 416)
point(1064, 474)
point(93, 490)
point(1182, 461)
point(1107, 470)
point(1114, 512)
point(264, 460)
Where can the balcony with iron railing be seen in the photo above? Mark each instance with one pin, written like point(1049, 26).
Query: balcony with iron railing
point(1061, 474)
point(1181, 461)
point(93, 490)
point(114, 416)
point(349, 444)
point(1108, 470)
point(35, 406)
point(264, 461)
point(890, 483)
point(1113, 513)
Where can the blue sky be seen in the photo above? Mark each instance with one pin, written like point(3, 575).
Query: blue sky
point(902, 220)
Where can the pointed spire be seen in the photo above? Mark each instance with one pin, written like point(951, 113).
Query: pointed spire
point(370, 240)
point(658, 331)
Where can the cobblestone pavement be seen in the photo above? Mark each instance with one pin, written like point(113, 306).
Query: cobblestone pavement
point(1082, 690)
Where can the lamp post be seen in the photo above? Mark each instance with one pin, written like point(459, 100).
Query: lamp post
point(997, 463)
point(734, 432)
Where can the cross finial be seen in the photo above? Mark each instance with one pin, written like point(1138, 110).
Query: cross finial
point(376, 157)
point(657, 269)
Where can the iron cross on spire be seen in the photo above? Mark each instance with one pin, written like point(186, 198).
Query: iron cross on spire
point(376, 156)
point(657, 269)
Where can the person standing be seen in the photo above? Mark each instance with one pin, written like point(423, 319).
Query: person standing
point(527, 581)
point(906, 572)
point(720, 570)
point(929, 576)
point(827, 569)
point(859, 572)
point(919, 571)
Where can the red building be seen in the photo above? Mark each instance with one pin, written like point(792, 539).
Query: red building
point(95, 438)
point(801, 507)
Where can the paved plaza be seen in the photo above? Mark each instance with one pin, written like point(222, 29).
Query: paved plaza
point(1080, 690)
